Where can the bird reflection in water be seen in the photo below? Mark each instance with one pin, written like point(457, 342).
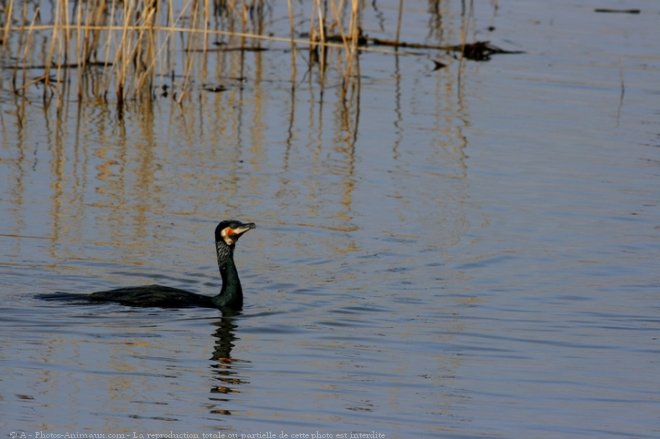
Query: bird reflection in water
point(224, 366)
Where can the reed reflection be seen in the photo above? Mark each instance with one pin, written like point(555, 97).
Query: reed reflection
point(118, 175)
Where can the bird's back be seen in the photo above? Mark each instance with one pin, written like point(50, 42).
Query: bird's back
point(153, 296)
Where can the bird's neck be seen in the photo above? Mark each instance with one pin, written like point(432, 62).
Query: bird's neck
point(231, 293)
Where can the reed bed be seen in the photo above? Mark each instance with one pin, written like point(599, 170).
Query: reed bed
point(118, 50)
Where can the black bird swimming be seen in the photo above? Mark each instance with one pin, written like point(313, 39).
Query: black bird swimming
point(229, 298)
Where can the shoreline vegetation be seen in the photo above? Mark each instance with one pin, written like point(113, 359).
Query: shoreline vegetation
point(123, 50)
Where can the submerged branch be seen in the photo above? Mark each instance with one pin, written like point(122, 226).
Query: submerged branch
point(478, 51)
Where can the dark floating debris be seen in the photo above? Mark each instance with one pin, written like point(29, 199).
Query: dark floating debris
point(482, 50)
point(477, 51)
point(437, 65)
point(214, 88)
point(617, 11)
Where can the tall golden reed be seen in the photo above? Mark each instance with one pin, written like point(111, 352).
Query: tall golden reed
point(117, 47)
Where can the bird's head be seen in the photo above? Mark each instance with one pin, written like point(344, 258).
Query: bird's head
point(229, 231)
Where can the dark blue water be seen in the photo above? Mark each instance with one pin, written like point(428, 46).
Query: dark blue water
point(469, 252)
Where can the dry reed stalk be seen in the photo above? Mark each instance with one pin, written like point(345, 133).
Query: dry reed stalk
point(292, 25)
point(354, 29)
point(61, 28)
point(66, 30)
point(244, 16)
point(16, 66)
point(189, 60)
point(79, 40)
point(89, 39)
point(168, 45)
point(120, 58)
point(350, 41)
point(25, 44)
point(108, 45)
point(399, 19)
point(206, 14)
point(80, 48)
point(9, 17)
point(148, 51)
point(337, 12)
point(318, 40)
point(292, 34)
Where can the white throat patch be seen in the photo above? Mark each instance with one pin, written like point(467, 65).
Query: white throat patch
point(226, 234)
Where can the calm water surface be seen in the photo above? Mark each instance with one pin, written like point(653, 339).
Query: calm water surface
point(462, 253)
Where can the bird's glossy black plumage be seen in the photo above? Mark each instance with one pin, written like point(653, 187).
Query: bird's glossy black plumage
point(230, 296)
